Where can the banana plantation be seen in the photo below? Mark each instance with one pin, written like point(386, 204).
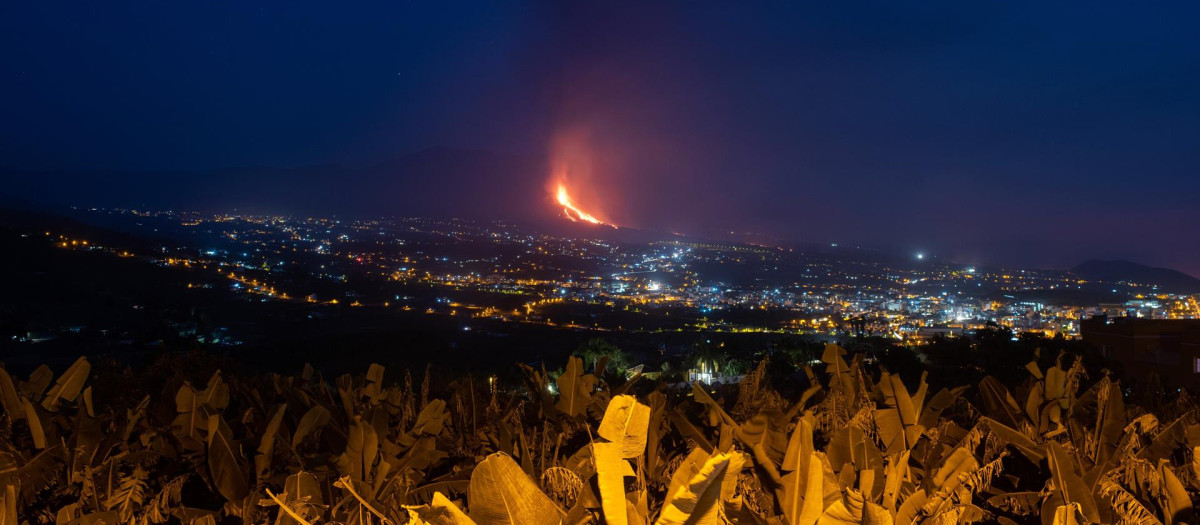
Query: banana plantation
point(856, 445)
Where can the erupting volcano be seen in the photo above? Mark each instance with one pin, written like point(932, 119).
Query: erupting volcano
point(571, 163)
point(572, 212)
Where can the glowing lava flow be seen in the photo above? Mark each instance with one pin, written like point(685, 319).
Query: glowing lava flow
point(573, 212)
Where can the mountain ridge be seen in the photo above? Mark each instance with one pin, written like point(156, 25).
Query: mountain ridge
point(1113, 270)
point(439, 181)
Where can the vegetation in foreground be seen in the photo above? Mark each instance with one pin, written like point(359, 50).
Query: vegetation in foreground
point(855, 447)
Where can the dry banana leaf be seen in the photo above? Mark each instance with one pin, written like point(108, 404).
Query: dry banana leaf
point(302, 494)
point(9, 398)
point(266, 444)
point(69, 385)
point(999, 403)
point(1126, 505)
point(1070, 514)
point(933, 409)
point(1176, 505)
point(38, 381)
point(800, 445)
point(687, 469)
point(1111, 425)
point(854, 509)
point(803, 493)
point(626, 422)
point(696, 502)
point(1168, 438)
point(501, 494)
point(316, 417)
point(362, 447)
point(1068, 482)
point(1009, 436)
point(688, 430)
point(35, 424)
point(8, 505)
point(441, 511)
point(611, 471)
point(224, 465)
point(575, 388)
point(373, 389)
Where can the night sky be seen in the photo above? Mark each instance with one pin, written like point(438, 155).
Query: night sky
point(982, 131)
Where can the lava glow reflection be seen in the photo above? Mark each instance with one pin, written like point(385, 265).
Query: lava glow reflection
point(572, 212)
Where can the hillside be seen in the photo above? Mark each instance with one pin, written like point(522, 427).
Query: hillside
point(1116, 271)
point(434, 182)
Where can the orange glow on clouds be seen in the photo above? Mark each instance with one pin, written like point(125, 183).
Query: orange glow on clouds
point(573, 183)
point(572, 211)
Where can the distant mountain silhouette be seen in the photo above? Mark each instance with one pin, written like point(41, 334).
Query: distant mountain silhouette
point(1113, 271)
point(435, 182)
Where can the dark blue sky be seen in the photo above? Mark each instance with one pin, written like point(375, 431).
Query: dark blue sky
point(1003, 132)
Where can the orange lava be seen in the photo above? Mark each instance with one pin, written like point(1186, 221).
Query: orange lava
point(572, 212)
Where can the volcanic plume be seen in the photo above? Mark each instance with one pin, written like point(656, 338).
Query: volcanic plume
point(572, 165)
